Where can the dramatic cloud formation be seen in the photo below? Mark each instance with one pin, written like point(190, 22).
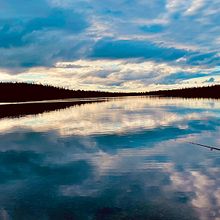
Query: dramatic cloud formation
point(175, 43)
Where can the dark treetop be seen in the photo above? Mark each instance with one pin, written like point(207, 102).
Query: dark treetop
point(21, 92)
point(196, 92)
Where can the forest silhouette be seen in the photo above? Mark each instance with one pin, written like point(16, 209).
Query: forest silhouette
point(22, 92)
point(194, 92)
point(24, 109)
point(37, 98)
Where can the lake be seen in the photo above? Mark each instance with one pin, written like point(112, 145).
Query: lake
point(125, 158)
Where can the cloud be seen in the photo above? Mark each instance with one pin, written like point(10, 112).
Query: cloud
point(28, 42)
point(114, 75)
point(210, 80)
point(195, 6)
point(179, 76)
point(119, 49)
point(23, 9)
point(124, 49)
point(154, 28)
point(178, 33)
point(207, 59)
point(67, 20)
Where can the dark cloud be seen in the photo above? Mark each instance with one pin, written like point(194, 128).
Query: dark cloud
point(209, 59)
point(23, 9)
point(67, 20)
point(123, 49)
point(210, 80)
point(156, 28)
point(18, 32)
point(40, 40)
point(42, 33)
point(179, 76)
point(129, 9)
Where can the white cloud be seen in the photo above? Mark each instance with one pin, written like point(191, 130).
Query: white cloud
point(114, 75)
point(195, 6)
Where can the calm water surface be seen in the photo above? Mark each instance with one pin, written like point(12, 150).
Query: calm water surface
point(124, 159)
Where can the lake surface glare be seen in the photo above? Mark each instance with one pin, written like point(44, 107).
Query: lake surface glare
point(126, 158)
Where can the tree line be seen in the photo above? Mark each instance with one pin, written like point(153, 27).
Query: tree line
point(212, 91)
point(19, 91)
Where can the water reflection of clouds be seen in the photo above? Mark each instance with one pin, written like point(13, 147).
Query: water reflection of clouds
point(116, 116)
point(205, 188)
point(121, 150)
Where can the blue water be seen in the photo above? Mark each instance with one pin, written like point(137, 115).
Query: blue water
point(126, 158)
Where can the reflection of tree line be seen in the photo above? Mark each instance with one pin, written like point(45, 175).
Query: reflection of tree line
point(195, 92)
point(18, 110)
point(14, 92)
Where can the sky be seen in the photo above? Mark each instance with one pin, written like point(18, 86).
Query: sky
point(123, 45)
